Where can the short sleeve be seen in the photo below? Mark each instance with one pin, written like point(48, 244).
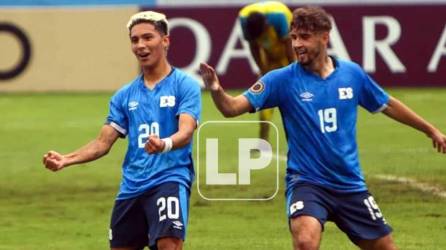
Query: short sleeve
point(117, 117)
point(372, 97)
point(190, 98)
point(264, 93)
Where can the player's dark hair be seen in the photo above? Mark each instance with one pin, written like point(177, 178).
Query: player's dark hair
point(160, 26)
point(255, 24)
point(311, 18)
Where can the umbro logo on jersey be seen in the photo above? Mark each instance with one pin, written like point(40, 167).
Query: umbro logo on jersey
point(306, 96)
point(133, 105)
point(345, 93)
point(167, 101)
point(178, 225)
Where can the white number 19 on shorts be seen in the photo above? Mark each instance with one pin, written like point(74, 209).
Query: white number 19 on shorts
point(373, 208)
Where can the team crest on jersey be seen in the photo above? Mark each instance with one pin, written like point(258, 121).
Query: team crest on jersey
point(133, 105)
point(345, 93)
point(306, 96)
point(167, 101)
point(257, 88)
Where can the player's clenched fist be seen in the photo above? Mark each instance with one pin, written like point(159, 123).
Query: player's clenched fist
point(154, 145)
point(54, 161)
point(209, 77)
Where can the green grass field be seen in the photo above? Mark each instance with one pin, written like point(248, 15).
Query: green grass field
point(70, 209)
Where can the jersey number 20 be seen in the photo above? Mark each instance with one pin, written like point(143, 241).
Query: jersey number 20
point(145, 130)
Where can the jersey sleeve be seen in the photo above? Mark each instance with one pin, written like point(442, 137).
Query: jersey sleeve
point(264, 93)
point(117, 117)
point(190, 99)
point(372, 97)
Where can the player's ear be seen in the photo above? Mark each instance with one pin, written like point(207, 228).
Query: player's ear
point(326, 37)
point(166, 42)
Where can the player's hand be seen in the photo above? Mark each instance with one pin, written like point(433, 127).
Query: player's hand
point(209, 76)
point(154, 145)
point(438, 141)
point(54, 161)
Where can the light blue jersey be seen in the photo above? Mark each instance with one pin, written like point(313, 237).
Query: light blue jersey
point(319, 116)
point(137, 112)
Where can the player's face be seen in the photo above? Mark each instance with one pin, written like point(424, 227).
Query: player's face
point(308, 45)
point(148, 45)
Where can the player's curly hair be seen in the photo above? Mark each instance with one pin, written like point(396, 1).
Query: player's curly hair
point(311, 18)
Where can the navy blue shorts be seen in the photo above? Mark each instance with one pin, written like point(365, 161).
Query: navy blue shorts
point(356, 214)
point(159, 212)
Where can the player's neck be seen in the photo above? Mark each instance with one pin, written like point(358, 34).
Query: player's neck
point(323, 66)
point(153, 75)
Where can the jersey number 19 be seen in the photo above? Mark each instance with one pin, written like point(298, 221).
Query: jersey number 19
point(327, 120)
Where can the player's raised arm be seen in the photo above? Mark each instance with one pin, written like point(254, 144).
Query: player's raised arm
point(228, 105)
point(95, 149)
point(400, 112)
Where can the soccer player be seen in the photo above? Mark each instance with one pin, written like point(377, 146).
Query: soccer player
point(318, 98)
point(265, 26)
point(158, 112)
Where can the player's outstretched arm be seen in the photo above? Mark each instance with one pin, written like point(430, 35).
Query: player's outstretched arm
point(228, 105)
point(95, 149)
point(400, 112)
point(186, 127)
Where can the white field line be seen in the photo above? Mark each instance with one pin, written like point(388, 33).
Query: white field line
point(425, 187)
